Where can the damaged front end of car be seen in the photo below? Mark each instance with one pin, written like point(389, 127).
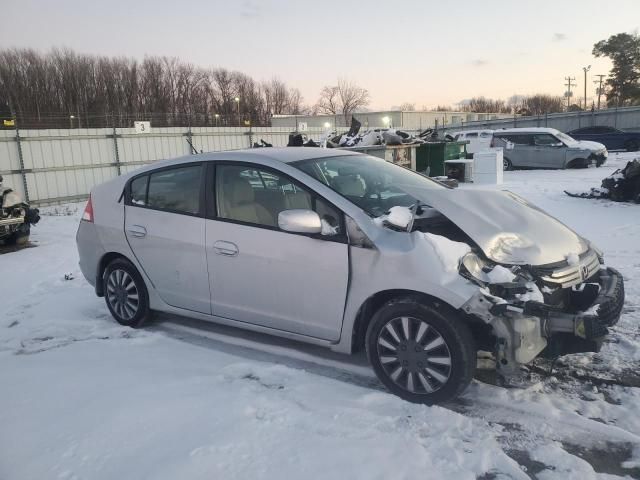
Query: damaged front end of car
point(548, 310)
point(542, 289)
point(16, 216)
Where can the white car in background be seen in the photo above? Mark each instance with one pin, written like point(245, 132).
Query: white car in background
point(479, 140)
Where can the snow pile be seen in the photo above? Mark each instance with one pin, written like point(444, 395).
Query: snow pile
point(398, 216)
point(572, 259)
point(500, 274)
point(448, 251)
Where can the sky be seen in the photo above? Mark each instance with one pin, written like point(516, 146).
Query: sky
point(417, 51)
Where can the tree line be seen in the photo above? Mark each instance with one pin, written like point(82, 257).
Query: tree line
point(63, 88)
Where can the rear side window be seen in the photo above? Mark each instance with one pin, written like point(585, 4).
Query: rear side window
point(471, 134)
point(139, 190)
point(517, 139)
point(176, 189)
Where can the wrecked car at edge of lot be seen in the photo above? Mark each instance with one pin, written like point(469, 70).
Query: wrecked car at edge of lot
point(350, 252)
point(16, 217)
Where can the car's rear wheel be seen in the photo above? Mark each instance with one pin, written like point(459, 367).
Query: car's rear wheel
point(126, 294)
point(632, 145)
point(507, 165)
point(420, 353)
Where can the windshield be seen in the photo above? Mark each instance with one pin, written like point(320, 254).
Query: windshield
point(373, 184)
point(566, 138)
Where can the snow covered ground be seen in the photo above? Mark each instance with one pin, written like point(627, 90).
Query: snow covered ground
point(83, 398)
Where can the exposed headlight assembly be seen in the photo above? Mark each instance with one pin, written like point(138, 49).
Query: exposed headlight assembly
point(474, 268)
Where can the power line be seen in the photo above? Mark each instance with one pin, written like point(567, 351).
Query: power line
point(570, 83)
point(599, 81)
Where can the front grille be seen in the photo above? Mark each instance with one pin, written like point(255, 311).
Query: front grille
point(571, 275)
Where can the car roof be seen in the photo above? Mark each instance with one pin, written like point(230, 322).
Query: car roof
point(284, 155)
point(527, 130)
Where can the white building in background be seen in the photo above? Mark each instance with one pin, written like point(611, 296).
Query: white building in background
point(383, 119)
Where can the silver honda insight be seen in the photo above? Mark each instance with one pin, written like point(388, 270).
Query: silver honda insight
point(351, 252)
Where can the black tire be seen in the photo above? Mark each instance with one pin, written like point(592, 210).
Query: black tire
point(507, 165)
point(126, 294)
point(578, 163)
point(632, 145)
point(415, 363)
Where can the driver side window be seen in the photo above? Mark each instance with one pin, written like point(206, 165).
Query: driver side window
point(256, 196)
point(545, 139)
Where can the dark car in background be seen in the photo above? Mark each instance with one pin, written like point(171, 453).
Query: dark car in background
point(610, 137)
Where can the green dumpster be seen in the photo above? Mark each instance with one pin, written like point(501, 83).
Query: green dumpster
point(430, 156)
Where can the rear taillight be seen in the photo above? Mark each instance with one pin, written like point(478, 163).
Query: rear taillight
point(87, 216)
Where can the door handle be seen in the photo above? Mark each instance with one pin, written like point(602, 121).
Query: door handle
point(227, 249)
point(137, 231)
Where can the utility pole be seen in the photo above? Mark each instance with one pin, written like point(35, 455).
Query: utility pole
point(599, 82)
point(570, 83)
point(585, 70)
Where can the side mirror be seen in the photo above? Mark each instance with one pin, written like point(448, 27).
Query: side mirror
point(299, 221)
point(557, 145)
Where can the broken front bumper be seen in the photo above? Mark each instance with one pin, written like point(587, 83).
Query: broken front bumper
point(601, 308)
point(9, 225)
point(528, 330)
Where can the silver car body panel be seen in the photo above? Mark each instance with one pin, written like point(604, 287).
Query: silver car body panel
point(170, 247)
point(299, 286)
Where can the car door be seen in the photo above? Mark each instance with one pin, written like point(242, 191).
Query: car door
point(518, 149)
point(262, 275)
point(165, 228)
point(548, 151)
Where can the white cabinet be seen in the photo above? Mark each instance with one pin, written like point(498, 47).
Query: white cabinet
point(488, 167)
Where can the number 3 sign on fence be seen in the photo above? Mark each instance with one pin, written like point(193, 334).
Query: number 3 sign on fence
point(142, 127)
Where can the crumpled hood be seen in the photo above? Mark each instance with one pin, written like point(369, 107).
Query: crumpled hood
point(589, 145)
point(506, 227)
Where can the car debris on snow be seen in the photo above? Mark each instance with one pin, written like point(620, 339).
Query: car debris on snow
point(621, 186)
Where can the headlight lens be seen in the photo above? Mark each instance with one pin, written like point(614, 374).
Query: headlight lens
point(472, 267)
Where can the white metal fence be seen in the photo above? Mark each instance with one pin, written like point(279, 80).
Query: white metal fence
point(62, 165)
point(54, 166)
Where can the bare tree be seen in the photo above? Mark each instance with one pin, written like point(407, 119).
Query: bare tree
point(344, 98)
point(540, 104)
point(329, 102)
point(352, 97)
point(484, 105)
point(63, 88)
point(408, 107)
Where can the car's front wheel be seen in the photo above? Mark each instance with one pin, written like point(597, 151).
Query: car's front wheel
point(420, 353)
point(125, 294)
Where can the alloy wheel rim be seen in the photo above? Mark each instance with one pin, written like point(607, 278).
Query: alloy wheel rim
point(505, 165)
point(122, 294)
point(414, 355)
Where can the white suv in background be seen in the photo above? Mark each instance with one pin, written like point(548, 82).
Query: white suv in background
point(479, 140)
